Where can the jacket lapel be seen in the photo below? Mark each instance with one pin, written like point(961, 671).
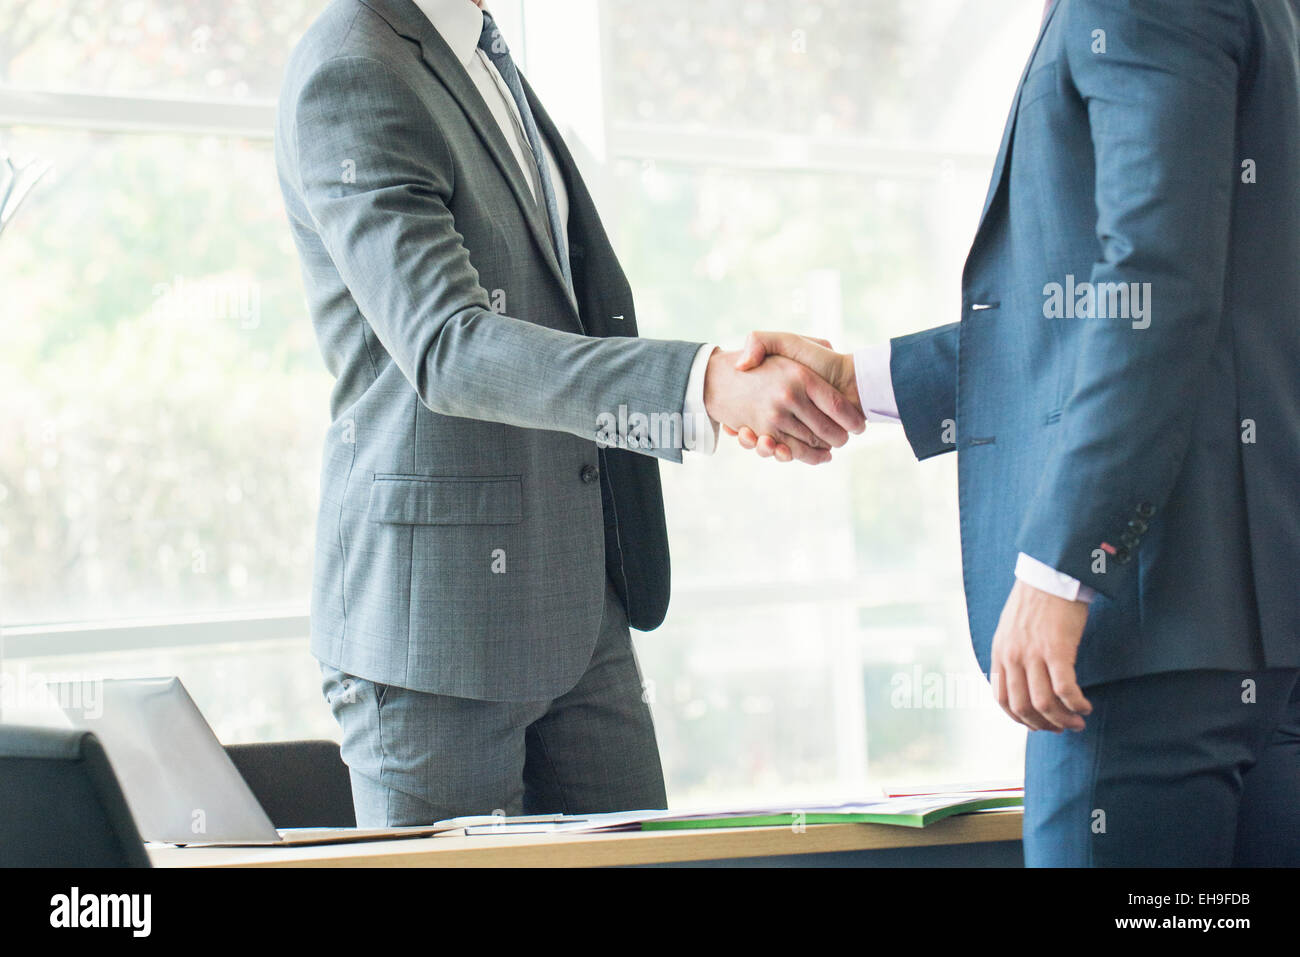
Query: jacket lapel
point(407, 20)
point(1004, 151)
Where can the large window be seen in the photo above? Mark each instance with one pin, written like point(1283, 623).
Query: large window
point(817, 165)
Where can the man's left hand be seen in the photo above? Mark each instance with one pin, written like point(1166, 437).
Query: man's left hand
point(1034, 651)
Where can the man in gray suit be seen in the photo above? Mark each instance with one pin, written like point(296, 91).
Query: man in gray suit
point(491, 520)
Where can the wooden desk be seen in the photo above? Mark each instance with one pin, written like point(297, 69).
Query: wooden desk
point(623, 848)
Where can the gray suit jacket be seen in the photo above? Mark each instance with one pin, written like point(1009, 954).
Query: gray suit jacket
point(468, 519)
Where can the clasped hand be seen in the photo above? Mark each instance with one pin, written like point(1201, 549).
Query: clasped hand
point(788, 397)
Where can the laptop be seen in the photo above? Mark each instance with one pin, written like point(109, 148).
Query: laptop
point(179, 782)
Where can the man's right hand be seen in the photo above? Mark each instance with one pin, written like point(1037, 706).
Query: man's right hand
point(782, 398)
point(836, 368)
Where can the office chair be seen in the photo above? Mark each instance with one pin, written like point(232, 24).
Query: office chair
point(60, 803)
point(298, 783)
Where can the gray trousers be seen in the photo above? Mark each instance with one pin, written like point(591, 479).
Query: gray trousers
point(416, 758)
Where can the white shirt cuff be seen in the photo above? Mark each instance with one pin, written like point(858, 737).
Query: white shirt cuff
point(875, 385)
point(700, 433)
point(1046, 578)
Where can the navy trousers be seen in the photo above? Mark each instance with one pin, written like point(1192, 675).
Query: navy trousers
point(1188, 769)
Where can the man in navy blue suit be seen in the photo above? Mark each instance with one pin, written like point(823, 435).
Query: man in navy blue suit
point(1123, 394)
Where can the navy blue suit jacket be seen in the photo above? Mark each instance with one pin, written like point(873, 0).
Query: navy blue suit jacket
point(1145, 441)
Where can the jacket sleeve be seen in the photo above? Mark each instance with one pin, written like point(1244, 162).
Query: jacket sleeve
point(923, 372)
point(393, 239)
point(1159, 80)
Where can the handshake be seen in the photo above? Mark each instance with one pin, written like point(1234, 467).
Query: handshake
point(787, 396)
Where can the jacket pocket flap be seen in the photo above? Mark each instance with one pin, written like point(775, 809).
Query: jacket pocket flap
point(434, 500)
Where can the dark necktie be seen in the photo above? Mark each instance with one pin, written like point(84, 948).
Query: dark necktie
point(491, 42)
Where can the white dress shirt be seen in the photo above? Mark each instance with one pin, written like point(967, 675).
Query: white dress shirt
point(460, 22)
point(876, 393)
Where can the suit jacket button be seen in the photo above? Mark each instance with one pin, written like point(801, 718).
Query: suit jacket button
point(1129, 539)
point(1122, 555)
point(589, 474)
point(1138, 526)
point(1146, 510)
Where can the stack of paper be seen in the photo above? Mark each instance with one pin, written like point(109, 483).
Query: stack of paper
point(912, 810)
